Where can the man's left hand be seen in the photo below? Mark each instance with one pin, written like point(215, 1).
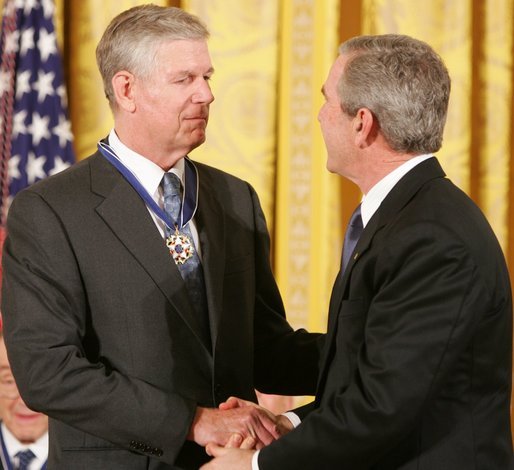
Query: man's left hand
point(226, 458)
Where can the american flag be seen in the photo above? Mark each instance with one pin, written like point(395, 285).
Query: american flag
point(35, 132)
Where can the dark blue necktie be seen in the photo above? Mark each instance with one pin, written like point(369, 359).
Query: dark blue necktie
point(24, 459)
point(351, 237)
point(191, 270)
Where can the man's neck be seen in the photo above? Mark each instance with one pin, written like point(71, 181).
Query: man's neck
point(164, 158)
point(378, 166)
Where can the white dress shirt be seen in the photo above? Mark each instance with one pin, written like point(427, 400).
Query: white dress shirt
point(150, 176)
point(369, 205)
point(372, 200)
point(39, 448)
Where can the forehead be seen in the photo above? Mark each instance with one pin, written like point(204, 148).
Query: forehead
point(177, 54)
point(335, 74)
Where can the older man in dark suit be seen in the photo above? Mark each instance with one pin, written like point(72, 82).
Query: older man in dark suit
point(138, 293)
point(416, 371)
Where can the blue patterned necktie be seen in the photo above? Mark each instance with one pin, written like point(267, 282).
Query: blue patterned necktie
point(351, 237)
point(191, 270)
point(24, 459)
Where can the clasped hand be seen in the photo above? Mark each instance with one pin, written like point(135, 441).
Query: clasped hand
point(238, 423)
point(233, 432)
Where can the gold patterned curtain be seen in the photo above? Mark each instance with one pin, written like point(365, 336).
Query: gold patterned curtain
point(271, 58)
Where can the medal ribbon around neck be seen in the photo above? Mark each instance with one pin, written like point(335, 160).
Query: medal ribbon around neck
point(189, 202)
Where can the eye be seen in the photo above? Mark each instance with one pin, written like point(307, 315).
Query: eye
point(184, 80)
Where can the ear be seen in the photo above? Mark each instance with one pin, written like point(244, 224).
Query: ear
point(364, 127)
point(123, 86)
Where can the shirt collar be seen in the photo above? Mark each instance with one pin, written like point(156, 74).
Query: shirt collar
point(372, 200)
point(147, 172)
point(13, 446)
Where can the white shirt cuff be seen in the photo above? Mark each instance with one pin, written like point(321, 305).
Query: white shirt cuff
point(293, 417)
point(255, 464)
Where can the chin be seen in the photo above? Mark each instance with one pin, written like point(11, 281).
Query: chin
point(331, 167)
point(28, 436)
point(197, 142)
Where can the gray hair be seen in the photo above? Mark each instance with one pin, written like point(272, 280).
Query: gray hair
point(404, 83)
point(130, 41)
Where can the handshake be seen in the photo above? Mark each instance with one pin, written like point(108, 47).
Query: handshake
point(236, 424)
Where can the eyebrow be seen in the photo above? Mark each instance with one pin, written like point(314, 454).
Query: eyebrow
point(190, 72)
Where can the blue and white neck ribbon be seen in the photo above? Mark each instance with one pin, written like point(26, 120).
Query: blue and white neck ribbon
point(189, 196)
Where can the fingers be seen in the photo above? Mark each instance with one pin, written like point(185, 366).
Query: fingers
point(251, 422)
point(258, 422)
point(264, 425)
point(228, 459)
point(284, 425)
point(241, 418)
point(248, 443)
point(231, 402)
point(214, 450)
point(234, 402)
point(234, 441)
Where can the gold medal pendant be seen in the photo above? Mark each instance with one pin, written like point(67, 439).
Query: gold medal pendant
point(180, 246)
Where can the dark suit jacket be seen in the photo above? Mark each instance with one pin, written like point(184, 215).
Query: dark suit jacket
point(101, 333)
point(416, 372)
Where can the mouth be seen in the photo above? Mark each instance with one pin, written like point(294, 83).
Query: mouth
point(27, 418)
point(197, 118)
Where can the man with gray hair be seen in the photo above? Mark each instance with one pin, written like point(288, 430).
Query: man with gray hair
point(138, 292)
point(416, 371)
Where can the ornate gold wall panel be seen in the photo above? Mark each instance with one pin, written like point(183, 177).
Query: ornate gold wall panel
point(308, 228)
point(497, 82)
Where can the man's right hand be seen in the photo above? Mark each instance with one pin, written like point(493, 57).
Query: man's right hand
point(248, 421)
point(284, 425)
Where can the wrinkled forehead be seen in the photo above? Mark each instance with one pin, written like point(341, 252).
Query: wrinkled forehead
point(184, 54)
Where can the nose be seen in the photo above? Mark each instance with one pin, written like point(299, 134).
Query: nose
point(203, 93)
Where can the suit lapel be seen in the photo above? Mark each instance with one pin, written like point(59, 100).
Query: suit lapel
point(341, 283)
point(397, 198)
point(211, 232)
point(339, 290)
point(126, 214)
